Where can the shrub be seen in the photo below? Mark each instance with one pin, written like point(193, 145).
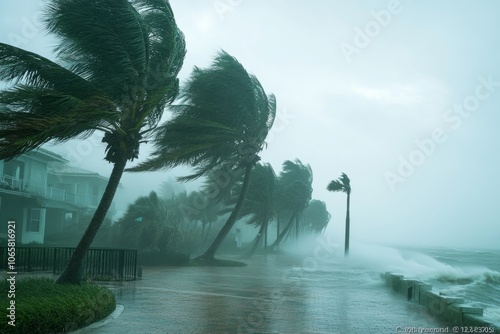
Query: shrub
point(41, 306)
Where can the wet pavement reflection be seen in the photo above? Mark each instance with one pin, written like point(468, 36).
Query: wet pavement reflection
point(273, 294)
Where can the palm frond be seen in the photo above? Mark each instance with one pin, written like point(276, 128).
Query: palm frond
point(21, 132)
point(316, 216)
point(223, 116)
point(107, 39)
point(190, 141)
point(335, 186)
point(52, 115)
point(167, 51)
point(259, 202)
point(119, 70)
point(295, 185)
point(342, 184)
point(23, 67)
point(223, 182)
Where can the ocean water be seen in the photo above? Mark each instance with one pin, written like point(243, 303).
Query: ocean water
point(473, 274)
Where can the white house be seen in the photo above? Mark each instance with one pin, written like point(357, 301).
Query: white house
point(43, 194)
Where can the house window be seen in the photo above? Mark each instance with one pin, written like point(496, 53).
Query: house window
point(68, 217)
point(34, 221)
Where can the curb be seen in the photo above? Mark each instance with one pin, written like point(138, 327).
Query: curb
point(115, 314)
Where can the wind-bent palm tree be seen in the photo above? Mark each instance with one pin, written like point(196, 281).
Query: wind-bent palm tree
point(144, 222)
point(343, 184)
point(259, 202)
point(316, 216)
point(221, 124)
point(293, 194)
point(201, 208)
point(115, 71)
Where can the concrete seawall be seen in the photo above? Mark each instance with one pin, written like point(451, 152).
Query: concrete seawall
point(451, 309)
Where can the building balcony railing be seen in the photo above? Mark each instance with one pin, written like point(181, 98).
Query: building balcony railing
point(16, 184)
point(11, 183)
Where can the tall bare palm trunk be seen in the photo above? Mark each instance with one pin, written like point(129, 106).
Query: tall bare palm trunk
point(71, 273)
point(347, 223)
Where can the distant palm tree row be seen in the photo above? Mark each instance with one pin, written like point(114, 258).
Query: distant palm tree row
point(116, 72)
point(221, 121)
point(268, 196)
point(272, 197)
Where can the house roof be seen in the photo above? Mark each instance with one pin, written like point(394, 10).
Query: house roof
point(44, 155)
point(64, 169)
point(53, 156)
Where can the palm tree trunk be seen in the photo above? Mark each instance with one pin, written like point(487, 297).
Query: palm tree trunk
point(71, 273)
point(208, 232)
point(210, 252)
point(284, 232)
point(277, 231)
point(297, 227)
point(347, 223)
point(265, 237)
point(256, 243)
point(203, 232)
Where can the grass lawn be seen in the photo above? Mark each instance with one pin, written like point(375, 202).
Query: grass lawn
point(41, 306)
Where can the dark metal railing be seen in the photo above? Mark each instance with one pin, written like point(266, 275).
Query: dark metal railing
point(99, 263)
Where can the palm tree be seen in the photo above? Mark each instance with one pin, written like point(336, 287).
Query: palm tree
point(316, 216)
point(343, 184)
point(115, 71)
point(293, 194)
point(202, 209)
point(259, 202)
point(221, 123)
point(143, 223)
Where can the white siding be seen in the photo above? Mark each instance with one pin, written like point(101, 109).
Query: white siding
point(30, 236)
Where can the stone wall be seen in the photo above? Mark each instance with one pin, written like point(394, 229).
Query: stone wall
point(453, 310)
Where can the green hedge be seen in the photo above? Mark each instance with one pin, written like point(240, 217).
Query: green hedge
point(41, 306)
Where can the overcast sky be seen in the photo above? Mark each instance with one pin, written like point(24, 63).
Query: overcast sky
point(402, 96)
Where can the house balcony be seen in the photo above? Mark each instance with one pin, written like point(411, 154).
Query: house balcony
point(11, 183)
point(16, 184)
